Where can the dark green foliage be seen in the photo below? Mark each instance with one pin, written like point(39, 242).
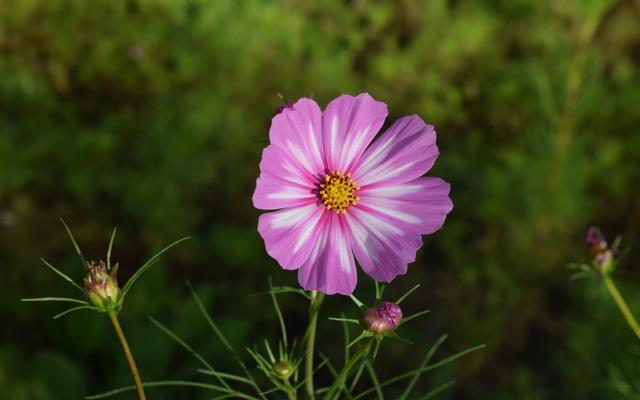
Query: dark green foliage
point(151, 115)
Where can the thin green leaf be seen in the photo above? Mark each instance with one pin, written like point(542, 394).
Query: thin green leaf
point(222, 338)
point(334, 373)
point(342, 319)
point(224, 375)
point(75, 244)
point(283, 327)
point(412, 316)
point(146, 265)
point(286, 289)
point(269, 352)
point(57, 299)
point(200, 385)
point(62, 274)
point(113, 235)
point(616, 242)
point(582, 275)
point(77, 309)
point(184, 344)
point(355, 300)
point(347, 339)
point(356, 377)
point(262, 362)
point(425, 362)
point(374, 379)
point(376, 348)
point(209, 320)
point(437, 390)
point(225, 396)
point(363, 335)
point(316, 369)
point(425, 369)
point(404, 296)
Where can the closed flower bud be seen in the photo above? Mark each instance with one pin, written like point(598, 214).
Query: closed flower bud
point(604, 256)
point(595, 240)
point(283, 369)
point(385, 317)
point(101, 286)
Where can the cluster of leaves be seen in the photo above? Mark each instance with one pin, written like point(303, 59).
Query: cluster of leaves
point(289, 382)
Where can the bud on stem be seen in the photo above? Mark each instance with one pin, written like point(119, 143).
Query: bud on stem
point(383, 318)
point(102, 286)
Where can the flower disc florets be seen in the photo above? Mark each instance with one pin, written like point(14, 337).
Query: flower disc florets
point(339, 192)
point(385, 317)
point(101, 286)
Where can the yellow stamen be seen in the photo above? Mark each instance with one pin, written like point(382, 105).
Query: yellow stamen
point(339, 191)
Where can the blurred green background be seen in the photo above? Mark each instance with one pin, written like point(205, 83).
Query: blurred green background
point(151, 115)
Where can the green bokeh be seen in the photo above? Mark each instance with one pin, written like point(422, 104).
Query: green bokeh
point(151, 115)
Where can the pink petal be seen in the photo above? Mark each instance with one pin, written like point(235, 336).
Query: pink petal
point(298, 130)
point(349, 125)
point(383, 247)
point(281, 183)
point(290, 235)
point(403, 152)
point(421, 204)
point(330, 268)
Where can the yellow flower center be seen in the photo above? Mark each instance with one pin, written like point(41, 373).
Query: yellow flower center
point(338, 192)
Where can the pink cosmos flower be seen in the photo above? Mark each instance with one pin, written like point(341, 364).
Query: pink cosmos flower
point(338, 193)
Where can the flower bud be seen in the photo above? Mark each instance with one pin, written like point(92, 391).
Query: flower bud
point(283, 369)
point(595, 240)
point(101, 287)
point(604, 256)
point(283, 107)
point(385, 317)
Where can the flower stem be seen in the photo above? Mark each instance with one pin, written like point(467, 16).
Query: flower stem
point(127, 353)
point(342, 376)
point(617, 297)
point(291, 391)
point(314, 308)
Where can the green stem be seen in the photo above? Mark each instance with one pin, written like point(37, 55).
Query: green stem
point(342, 376)
point(127, 353)
point(314, 308)
point(291, 391)
point(617, 297)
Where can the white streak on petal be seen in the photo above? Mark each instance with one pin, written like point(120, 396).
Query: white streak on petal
point(291, 217)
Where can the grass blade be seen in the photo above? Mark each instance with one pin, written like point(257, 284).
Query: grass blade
point(425, 362)
point(425, 369)
point(146, 266)
point(62, 274)
point(437, 390)
point(77, 309)
point(283, 327)
point(75, 244)
point(57, 299)
point(223, 339)
point(224, 375)
point(184, 344)
point(412, 316)
point(201, 385)
point(334, 373)
point(404, 296)
point(342, 319)
point(374, 379)
point(113, 235)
